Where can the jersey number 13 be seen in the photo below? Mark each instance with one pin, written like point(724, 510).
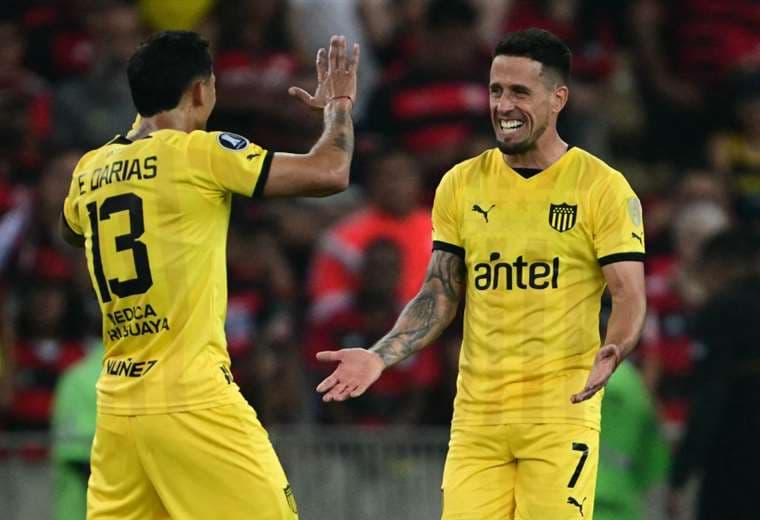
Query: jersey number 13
point(143, 280)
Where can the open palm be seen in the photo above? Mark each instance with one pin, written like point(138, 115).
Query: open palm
point(357, 369)
point(336, 75)
point(605, 363)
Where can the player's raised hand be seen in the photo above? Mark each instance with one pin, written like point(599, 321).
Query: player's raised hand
point(357, 369)
point(336, 75)
point(605, 363)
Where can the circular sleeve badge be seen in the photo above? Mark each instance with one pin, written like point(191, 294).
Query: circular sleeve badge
point(232, 141)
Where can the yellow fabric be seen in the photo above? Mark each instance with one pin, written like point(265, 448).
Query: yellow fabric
point(520, 471)
point(161, 206)
point(214, 463)
point(742, 160)
point(531, 321)
point(175, 14)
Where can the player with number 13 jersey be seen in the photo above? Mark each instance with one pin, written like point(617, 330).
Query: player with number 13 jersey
point(175, 438)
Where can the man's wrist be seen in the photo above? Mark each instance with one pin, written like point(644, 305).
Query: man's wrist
point(618, 351)
point(346, 101)
point(379, 357)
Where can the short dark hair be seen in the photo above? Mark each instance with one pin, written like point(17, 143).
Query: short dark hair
point(164, 66)
point(538, 45)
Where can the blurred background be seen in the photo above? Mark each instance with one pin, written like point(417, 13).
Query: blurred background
point(668, 92)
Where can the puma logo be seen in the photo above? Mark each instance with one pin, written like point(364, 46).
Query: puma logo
point(637, 237)
point(483, 212)
point(574, 502)
point(251, 156)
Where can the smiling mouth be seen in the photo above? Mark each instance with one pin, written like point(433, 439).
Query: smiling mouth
point(510, 125)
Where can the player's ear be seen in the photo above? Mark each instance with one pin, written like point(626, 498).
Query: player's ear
point(559, 98)
point(197, 94)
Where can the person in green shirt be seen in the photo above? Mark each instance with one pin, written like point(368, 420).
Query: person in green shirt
point(633, 455)
point(73, 427)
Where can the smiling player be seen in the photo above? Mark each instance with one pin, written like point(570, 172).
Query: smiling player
point(530, 232)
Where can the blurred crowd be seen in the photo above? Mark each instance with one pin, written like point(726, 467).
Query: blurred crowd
point(668, 92)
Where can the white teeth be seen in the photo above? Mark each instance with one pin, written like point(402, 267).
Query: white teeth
point(512, 124)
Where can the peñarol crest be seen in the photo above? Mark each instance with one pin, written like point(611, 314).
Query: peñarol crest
point(562, 216)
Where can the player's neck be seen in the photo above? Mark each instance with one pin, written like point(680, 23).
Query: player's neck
point(176, 119)
point(549, 148)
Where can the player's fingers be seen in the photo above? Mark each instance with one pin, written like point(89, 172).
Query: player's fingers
point(585, 394)
point(353, 65)
point(329, 355)
point(327, 383)
point(321, 64)
point(341, 62)
point(359, 390)
point(335, 393)
point(342, 393)
point(332, 54)
point(302, 95)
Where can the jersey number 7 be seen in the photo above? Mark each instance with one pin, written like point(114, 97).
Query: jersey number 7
point(583, 448)
point(143, 280)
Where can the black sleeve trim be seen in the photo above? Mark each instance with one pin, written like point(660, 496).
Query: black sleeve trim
point(258, 191)
point(68, 226)
point(621, 257)
point(449, 248)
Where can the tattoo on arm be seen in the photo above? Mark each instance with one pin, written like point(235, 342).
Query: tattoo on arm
point(340, 128)
point(429, 313)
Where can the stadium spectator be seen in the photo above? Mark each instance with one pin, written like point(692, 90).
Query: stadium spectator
point(40, 253)
point(633, 454)
point(315, 20)
point(25, 103)
point(736, 153)
point(393, 212)
point(667, 349)
point(438, 100)
point(92, 109)
point(260, 325)
point(720, 443)
point(687, 50)
point(257, 60)
point(394, 29)
point(47, 342)
point(402, 393)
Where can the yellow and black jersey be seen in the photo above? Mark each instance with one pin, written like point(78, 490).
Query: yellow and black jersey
point(533, 248)
point(154, 214)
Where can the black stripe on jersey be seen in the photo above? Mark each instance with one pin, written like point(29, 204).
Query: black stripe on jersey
point(621, 257)
point(449, 248)
point(120, 139)
point(527, 173)
point(258, 191)
point(66, 222)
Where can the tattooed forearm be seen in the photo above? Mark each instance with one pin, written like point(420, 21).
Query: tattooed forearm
point(339, 129)
point(429, 313)
point(343, 142)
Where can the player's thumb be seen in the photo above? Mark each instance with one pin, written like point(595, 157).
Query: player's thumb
point(329, 355)
point(300, 94)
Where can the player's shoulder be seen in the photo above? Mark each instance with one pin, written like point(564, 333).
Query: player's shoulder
point(464, 171)
point(86, 160)
point(594, 167)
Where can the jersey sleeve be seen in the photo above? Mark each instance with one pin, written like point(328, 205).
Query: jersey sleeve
point(446, 226)
point(71, 207)
point(233, 163)
point(618, 222)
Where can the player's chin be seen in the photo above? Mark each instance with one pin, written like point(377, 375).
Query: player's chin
point(511, 146)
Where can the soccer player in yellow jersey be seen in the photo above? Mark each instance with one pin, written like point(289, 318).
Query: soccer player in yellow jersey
point(175, 439)
point(530, 232)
